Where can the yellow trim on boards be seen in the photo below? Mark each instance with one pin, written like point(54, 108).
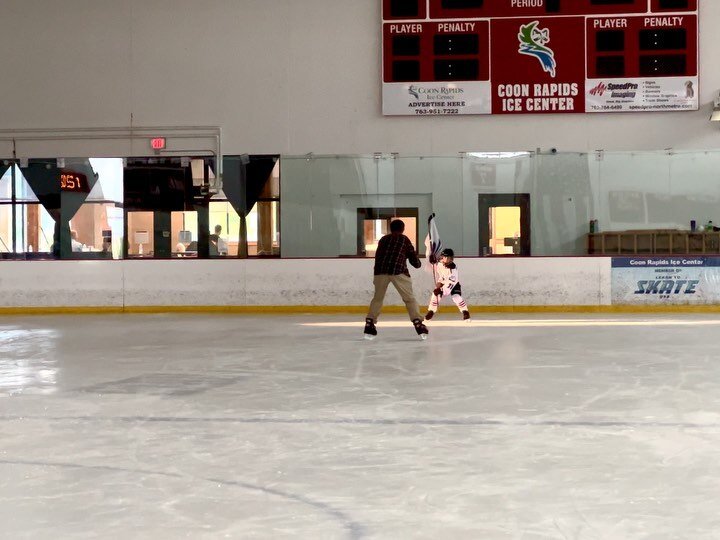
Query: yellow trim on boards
point(57, 310)
point(297, 310)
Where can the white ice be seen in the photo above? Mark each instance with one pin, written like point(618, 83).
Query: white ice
point(276, 427)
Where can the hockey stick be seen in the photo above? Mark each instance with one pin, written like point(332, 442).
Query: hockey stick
point(434, 244)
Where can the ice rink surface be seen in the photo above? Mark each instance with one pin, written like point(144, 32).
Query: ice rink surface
point(276, 427)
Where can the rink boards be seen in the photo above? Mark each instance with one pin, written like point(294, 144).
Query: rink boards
point(338, 284)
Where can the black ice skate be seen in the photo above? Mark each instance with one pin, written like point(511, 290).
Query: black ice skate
point(370, 330)
point(466, 315)
point(429, 315)
point(421, 329)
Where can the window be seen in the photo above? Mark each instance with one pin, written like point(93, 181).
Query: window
point(110, 208)
point(225, 226)
point(6, 211)
point(25, 226)
point(97, 226)
point(162, 202)
point(245, 216)
point(184, 234)
point(55, 208)
point(141, 236)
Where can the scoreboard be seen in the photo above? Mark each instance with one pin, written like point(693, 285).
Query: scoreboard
point(454, 57)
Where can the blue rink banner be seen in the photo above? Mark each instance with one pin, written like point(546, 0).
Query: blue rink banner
point(665, 280)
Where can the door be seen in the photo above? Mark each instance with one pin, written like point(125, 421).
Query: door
point(374, 223)
point(504, 224)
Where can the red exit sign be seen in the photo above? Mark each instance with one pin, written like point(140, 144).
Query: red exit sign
point(158, 143)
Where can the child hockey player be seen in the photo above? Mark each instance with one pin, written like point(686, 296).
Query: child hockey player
point(448, 283)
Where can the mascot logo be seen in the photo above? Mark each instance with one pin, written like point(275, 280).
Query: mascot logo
point(533, 42)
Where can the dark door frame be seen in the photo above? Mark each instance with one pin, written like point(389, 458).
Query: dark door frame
point(383, 213)
point(487, 201)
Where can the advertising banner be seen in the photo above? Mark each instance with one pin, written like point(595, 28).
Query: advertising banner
point(422, 99)
point(638, 95)
point(665, 280)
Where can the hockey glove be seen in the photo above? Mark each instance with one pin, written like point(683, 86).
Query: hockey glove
point(438, 292)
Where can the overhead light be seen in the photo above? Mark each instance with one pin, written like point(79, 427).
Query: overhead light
point(715, 116)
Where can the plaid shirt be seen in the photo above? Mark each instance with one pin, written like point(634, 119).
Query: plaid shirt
point(392, 253)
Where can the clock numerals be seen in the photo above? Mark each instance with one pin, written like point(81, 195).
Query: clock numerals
point(71, 182)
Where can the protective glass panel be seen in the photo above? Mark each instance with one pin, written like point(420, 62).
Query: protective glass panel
point(321, 198)
point(6, 228)
point(96, 228)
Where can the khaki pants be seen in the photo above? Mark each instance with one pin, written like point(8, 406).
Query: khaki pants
point(403, 284)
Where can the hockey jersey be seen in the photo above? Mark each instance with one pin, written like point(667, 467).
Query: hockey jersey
point(448, 276)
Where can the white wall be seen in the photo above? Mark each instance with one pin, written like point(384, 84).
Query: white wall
point(279, 76)
point(302, 282)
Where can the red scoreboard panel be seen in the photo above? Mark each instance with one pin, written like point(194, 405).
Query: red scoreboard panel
point(452, 57)
point(507, 8)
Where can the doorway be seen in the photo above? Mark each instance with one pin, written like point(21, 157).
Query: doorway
point(504, 224)
point(374, 223)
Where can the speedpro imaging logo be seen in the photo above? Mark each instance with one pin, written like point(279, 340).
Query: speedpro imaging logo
point(599, 90)
point(533, 42)
point(622, 90)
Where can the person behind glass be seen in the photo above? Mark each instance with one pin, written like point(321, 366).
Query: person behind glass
point(107, 248)
point(393, 252)
point(76, 245)
point(218, 244)
point(448, 284)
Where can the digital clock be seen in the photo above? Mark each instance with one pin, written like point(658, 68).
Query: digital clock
point(73, 181)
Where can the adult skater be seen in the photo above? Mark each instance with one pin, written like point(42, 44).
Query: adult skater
point(393, 252)
point(448, 283)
